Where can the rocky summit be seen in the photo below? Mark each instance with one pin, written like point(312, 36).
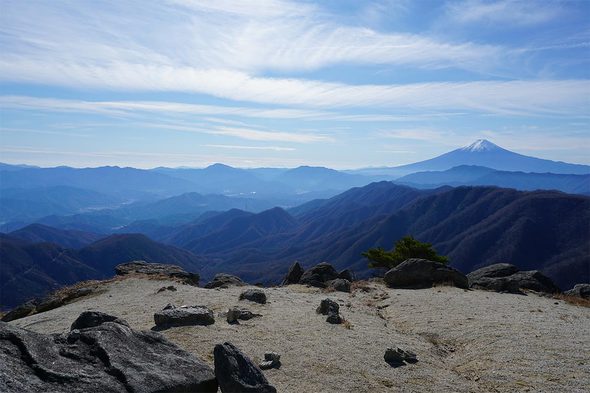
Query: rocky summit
point(439, 338)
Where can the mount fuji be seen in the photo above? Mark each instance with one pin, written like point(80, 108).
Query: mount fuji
point(483, 153)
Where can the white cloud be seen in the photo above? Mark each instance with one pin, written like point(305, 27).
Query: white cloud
point(237, 35)
point(505, 97)
point(239, 147)
point(504, 12)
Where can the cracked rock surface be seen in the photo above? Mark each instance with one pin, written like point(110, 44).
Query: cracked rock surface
point(107, 357)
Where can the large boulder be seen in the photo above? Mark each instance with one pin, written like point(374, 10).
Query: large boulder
point(223, 280)
point(495, 270)
point(422, 273)
point(506, 278)
point(254, 295)
point(109, 357)
point(142, 267)
point(183, 316)
point(236, 373)
point(318, 275)
point(579, 290)
point(293, 275)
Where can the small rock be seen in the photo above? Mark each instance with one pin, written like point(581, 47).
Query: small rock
point(254, 295)
point(396, 357)
point(168, 288)
point(235, 372)
point(328, 306)
point(293, 275)
point(332, 310)
point(183, 316)
point(334, 319)
point(234, 314)
point(340, 285)
point(223, 280)
point(271, 360)
point(90, 319)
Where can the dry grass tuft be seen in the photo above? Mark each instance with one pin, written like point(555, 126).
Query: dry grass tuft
point(346, 323)
point(575, 300)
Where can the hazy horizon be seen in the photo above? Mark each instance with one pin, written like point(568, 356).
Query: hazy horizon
point(277, 83)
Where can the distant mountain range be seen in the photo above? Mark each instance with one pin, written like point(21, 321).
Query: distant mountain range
point(66, 224)
point(477, 175)
point(474, 226)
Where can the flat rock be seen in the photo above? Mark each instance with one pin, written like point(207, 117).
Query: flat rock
point(318, 275)
point(109, 357)
point(421, 273)
point(223, 280)
point(579, 290)
point(235, 314)
point(142, 267)
point(254, 295)
point(236, 373)
point(503, 278)
point(172, 316)
point(293, 275)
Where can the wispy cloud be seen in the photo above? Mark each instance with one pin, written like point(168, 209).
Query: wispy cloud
point(505, 97)
point(238, 147)
point(504, 12)
point(247, 36)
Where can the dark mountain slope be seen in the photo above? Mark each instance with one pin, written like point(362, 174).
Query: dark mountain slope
point(105, 254)
point(474, 226)
point(38, 233)
point(29, 270)
point(184, 235)
point(480, 226)
point(243, 230)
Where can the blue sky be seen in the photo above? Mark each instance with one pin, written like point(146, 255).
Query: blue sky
point(337, 83)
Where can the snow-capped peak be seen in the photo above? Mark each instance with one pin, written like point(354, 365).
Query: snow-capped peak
point(481, 145)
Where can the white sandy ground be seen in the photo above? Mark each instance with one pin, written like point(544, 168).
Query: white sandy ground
point(466, 341)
